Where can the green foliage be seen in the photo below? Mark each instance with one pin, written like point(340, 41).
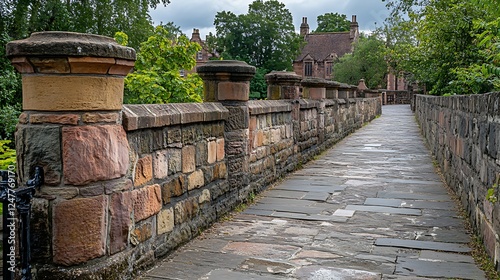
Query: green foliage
point(157, 77)
point(452, 46)
point(258, 85)
point(333, 22)
point(264, 37)
point(7, 155)
point(365, 62)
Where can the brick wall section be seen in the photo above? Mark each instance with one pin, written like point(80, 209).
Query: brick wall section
point(463, 133)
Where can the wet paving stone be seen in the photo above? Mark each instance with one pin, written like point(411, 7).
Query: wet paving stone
point(383, 202)
point(383, 209)
point(423, 245)
point(448, 269)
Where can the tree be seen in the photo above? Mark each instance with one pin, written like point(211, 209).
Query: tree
point(332, 22)
point(450, 45)
point(365, 62)
point(264, 37)
point(157, 77)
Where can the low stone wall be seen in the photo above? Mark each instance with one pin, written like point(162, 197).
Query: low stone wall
point(125, 184)
point(463, 133)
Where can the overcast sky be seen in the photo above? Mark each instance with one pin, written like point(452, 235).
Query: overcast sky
point(189, 14)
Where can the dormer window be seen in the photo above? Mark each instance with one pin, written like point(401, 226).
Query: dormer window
point(199, 56)
point(308, 68)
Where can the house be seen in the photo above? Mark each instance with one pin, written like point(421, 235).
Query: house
point(323, 49)
point(205, 54)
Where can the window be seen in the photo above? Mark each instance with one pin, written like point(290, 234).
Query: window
point(199, 56)
point(182, 73)
point(308, 69)
point(328, 68)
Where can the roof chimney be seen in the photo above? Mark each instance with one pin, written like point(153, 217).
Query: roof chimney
point(354, 29)
point(196, 35)
point(304, 27)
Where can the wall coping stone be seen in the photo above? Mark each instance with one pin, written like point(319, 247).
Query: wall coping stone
point(314, 82)
point(238, 70)
point(308, 103)
point(330, 102)
point(343, 86)
point(283, 78)
point(140, 116)
point(332, 84)
point(63, 44)
point(257, 107)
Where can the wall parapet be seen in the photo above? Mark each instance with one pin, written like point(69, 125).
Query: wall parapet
point(158, 115)
point(463, 133)
point(127, 184)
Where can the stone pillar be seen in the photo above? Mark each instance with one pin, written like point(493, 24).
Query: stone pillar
point(353, 91)
point(71, 126)
point(314, 88)
point(228, 82)
point(344, 91)
point(332, 89)
point(282, 85)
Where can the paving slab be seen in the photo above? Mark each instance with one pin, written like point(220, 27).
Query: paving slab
point(434, 256)
point(383, 209)
point(285, 194)
point(327, 273)
point(389, 202)
point(423, 245)
point(225, 274)
point(415, 196)
point(407, 266)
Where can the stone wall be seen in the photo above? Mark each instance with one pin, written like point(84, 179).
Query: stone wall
point(463, 133)
point(126, 184)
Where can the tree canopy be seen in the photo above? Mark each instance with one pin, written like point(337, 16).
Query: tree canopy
point(160, 61)
point(365, 62)
point(333, 22)
point(451, 46)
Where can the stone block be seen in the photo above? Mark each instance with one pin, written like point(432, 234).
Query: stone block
point(94, 153)
point(165, 221)
point(212, 151)
point(22, 65)
point(40, 230)
point(160, 164)
point(119, 186)
point(195, 180)
point(79, 230)
point(101, 117)
point(180, 212)
point(220, 149)
point(220, 170)
point(188, 159)
point(173, 188)
point(233, 91)
point(141, 233)
point(120, 220)
point(201, 154)
point(204, 197)
point(39, 146)
point(54, 65)
point(174, 160)
point(70, 119)
point(72, 93)
point(147, 202)
point(143, 171)
point(122, 67)
point(90, 65)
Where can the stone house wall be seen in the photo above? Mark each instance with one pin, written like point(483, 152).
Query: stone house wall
point(463, 133)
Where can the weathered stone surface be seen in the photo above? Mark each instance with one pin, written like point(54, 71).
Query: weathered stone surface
point(39, 146)
point(165, 221)
point(141, 233)
point(72, 93)
point(147, 202)
point(212, 151)
point(174, 160)
point(173, 188)
point(204, 197)
point(40, 230)
point(143, 171)
point(79, 228)
point(53, 118)
point(188, 159)
point(94, 153)
point(195, 180)
point(160, 164)
point(59, 43)
point(100, 117)
point(120, 220)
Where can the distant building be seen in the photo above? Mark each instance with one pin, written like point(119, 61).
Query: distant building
point(205, 54)
point(323, 49)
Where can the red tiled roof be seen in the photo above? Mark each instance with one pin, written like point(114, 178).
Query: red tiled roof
point(320, 45)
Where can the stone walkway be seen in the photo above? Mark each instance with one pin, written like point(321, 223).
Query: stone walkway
point(372, 207)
